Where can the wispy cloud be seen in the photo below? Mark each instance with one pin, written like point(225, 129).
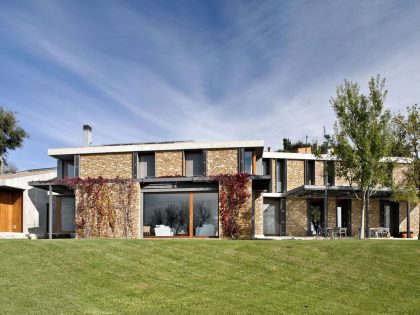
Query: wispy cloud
point(151, 70)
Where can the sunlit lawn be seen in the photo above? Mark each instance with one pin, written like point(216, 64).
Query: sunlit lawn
point(210, 277)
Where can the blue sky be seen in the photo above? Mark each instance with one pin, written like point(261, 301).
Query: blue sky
point(203, 70)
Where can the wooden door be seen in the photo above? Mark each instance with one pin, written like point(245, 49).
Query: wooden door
point(10, 211)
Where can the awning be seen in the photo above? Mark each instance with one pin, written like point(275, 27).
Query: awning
point(334, 191)
point(59, 189)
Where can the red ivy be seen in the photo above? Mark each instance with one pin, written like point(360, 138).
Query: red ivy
point(233, 195)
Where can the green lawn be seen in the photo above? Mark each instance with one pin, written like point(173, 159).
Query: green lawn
point(218, 277)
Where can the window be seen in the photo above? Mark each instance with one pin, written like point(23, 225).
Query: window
point(266, 167)
point(281, 176)
point(171, 214)
point(68, 169)
point(330, 168)
point(194, 163)
point(248, 162)
point(310, 173)
point(146, 166)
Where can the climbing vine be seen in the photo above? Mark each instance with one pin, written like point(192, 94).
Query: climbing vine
point(105, 208)
point(233, 195)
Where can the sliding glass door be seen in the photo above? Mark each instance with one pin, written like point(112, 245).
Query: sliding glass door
point(191, 214)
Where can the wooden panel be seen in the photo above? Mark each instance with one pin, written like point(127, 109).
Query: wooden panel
point(10, 211)
point(254, 162)
point(17, 212)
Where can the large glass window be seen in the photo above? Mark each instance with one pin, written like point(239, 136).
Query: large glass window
point(68, 169)
point(310, 173)
point(170, 214)
point(281, 176)
point(248, 162)
point(194, 165)
point(146, 165)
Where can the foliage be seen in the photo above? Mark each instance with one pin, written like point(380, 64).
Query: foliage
point(289, 146)
point(361, 138)
point(104, 207)
point(233, 194)
point(406, 132)
point(11, 135)
point(315, 214)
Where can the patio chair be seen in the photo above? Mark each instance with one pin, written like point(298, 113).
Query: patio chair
point(385, 232)
point(380, 232)
point(343, 232)
point(146, 230)
point(336, 232)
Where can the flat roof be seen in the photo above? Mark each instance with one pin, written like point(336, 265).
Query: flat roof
point(161, 146)
point(28, 173)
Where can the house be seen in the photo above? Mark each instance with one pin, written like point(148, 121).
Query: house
point(23, 208)
point(177, 192)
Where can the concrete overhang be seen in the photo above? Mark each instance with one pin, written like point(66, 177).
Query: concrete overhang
point(157, 147)
point(333, 191)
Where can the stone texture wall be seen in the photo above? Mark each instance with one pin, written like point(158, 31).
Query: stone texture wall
point(273, 175)
point(398, 175)
point(107, 165)
point(115, 199)
point(222, 161)
point(258, 212)
point(319, 173)
point(414, 218)
point(296, 217)
point(374, 213)
point(169, 163)
point(332, 212)
point(356, 212)
point(295, 173)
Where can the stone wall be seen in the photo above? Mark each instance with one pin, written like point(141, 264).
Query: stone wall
point(398, 175)
point(169, 163)
point(414, 217)
point(319, 173)
point(222, 161)
point(258, 212)
point(296, 217)
point(117, 193)
point(295, 173)
point(332, 212)
point(107, 165)
point(374, 213)
point(356, 212)
point(273, 175)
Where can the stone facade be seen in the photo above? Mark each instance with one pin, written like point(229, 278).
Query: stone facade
point(107, 165)
point(169, 163)
point(222, 161)
point(258, 212)
point(319, 173)
point(295, 173)
point(356, 212)
point(374, 212)
point(398, 173)
point(273, 175)
point(115, 198)
point(296, 217)
point(414, 218)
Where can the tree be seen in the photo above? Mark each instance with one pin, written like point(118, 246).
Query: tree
point(406, 136)
point(12, 135)
point(361, 139)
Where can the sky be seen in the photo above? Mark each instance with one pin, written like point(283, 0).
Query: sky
point(143, 71)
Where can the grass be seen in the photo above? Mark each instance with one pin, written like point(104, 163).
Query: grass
point(210, 277)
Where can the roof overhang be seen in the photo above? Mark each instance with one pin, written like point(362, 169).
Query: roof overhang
point(56, 188)
point(333, 191)
point(158, 147)
point(6, 187)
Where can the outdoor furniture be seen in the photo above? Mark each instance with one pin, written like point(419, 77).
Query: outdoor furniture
point(373, 232)
point(386, 233)
point(146, 230)
point(343, 232)
point(336, 232)
point(163, 230)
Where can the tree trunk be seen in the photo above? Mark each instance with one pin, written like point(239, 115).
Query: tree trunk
point(367, 215)
point(362, 218)
point(1, 165)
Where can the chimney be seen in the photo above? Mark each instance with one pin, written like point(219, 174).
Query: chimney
point(269, 149)
point(87, 135)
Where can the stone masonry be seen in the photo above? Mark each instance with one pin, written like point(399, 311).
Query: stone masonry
point(258, 212)
point(169, 163)
point(295, 174)
point(319, 173)
point(414, 217)
point(107, 165)
point(222, 161)
point(296, 216)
